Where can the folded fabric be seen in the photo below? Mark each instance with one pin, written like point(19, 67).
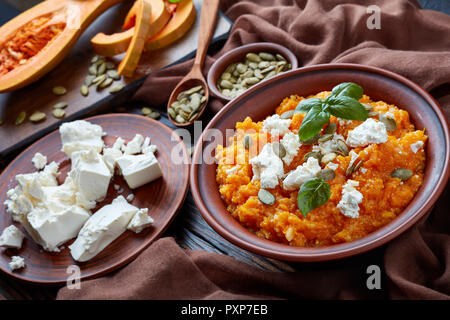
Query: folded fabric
point(412, 42)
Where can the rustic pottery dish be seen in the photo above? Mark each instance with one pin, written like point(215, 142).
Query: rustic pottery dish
point(261, 100)
point(162, 197)
point(237, 55)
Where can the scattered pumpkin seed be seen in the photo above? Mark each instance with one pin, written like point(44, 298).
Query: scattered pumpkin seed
point(373, 114)
point(154, 115)
point(352, 167)
point(267, 56)
point(106, 83)
point(389, 123)
point(328, 157)
point(288, 114)
point(326, 174)
point(279, 150)
point(101, 69)
point(20, 118)
point(116, 88)
point(84, 90)
point(172, 113)
point(99, 79)
point(60, 105)
point(341, 147)
point(93, 70)
point(313, 154)
point(326, 137)
point(37, 116)
point(146, 111)
point(179, 119)
point(59, 90)
point(89, 79)
point(109, 65)
point(266, 197)
point(113, 74)
point(358, 165)
point(330, 128)
point(58, 113)
point(247, 141)
point(402, 173)
point(95, 59)
point(311, 140)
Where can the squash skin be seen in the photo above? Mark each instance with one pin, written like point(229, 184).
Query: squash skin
point(84, 13)
point(111, 45)
point(141, 31)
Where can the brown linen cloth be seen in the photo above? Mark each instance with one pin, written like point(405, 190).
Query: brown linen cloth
point(412, 42)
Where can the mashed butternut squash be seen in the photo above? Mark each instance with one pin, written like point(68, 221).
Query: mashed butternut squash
point(384, 197)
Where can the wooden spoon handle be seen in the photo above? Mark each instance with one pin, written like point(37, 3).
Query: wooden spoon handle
point(206, 30)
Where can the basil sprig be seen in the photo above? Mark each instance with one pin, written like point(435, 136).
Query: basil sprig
point(342, 103)
point(312, 194)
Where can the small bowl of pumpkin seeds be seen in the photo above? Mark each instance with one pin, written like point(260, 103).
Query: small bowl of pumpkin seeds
point(246, 66)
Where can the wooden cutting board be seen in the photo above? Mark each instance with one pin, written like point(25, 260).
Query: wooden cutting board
point(74, 69)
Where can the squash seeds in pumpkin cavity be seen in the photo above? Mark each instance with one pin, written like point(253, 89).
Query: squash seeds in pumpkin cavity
point(266, 197)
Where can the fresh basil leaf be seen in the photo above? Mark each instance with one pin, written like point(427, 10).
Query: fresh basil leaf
point(312, 194)
point(348, 89)
point(313, 122)
point(305, 105)
point(346, 108)
point(174, 1)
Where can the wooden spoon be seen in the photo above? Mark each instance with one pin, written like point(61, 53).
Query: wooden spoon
point(195, 77)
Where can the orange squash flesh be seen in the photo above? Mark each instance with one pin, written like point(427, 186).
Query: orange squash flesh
point(111, 45)
point(34, 42)
point(182, 20)
point(141, 30)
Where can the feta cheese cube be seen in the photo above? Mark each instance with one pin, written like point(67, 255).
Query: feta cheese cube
point(276, 126)
point(267, 167)
point(110, 155)
point(416, 146)
point(102, 228)
point(11, 237)
point(370, 131)
point(140, 221)
point(39, 161)
point(90, 174)
point(291, 144)
point(134, 146)
point(351, 198)
point(81, 135)
point(301, 174)
point(17, 262)
point(138, 170)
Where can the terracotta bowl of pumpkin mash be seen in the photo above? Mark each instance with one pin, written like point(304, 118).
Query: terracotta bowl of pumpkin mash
point(261, 100)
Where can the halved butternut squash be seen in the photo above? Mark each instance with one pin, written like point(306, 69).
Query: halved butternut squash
point(111, 45)
point(34, 42)
point(141, 30)
point(182, 20)
point(130, 19)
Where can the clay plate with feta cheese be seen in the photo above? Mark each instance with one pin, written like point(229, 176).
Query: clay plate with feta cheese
point(260, 102)
point(163, 198)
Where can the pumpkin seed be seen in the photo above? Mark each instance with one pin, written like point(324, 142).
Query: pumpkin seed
point(20, 118)
point(266, 197)
point(193, 90)
point(84, 90)
point(116, 88)
point(268, 69)
point(328, 157)
point(146, 111)
point(247, 141)
point(58, 113)
point(388, 122)
point(358, 165)
point(263, 64)
point(288, 114)
point(172, 113)
point(270, 74)
point(279, 149)
point(101, 69)
point(95, 59)
point(326, 174)
point(241, 68)
point(113, 74)
point(99, 62)
point(251, 81)
point(311, 140)
point(180, 119)
point(341, 147)
point(225, 76)
point(99, 79)
point(226, 84)
point(37, 116)
point(402, 173)
point(93, 70)
point(267, 56)
point(313, 154)
point(60, 105)
point(253, 57)
point(154, 115)
point(373, 114)
point(258, 74)
point(106, 83)
point(330, 128)
point(110, 65)
point(89, 79)
point(326, 137)
point(193, 116)
point(59, 90)
point(352, 167)
point(280, 57)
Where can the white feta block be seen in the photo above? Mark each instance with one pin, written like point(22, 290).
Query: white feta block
point(291, 144)
point(90, 174)
point(267, 167)
point(276, 126)
point(81, 135)
point(110, 155)
point(416, 146)
point(17, 262)
point(140, 221)
point(139, 169)
point(134, 146)
point(39, 161)
point(351, 198)
point(11, 237)
point(301, 174)
point(102, 228)
point(370, 131)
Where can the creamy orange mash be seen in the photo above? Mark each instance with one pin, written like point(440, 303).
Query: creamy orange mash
point(384, 197)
